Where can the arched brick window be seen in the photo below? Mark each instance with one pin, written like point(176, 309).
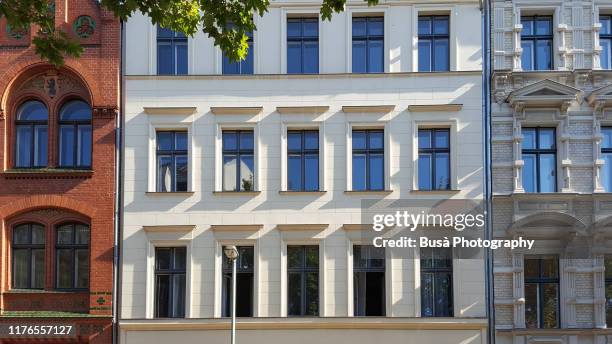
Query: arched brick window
point(31, 127)
point(72, 256)
point(28, 254)
point(75, 135)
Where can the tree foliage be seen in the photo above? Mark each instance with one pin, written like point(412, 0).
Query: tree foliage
point(186, 16)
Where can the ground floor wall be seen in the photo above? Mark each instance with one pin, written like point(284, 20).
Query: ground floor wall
point(86, 330)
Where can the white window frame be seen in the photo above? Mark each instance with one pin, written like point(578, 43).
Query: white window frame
point(167, 239)
point(162, 123)
point(233, 125)
point(355, 125)
point(237, 239)
point(361, 11)
point(288, 125)
point(419, 122)
point(422, 10)
point(355, 239)
point(301, 238)
point(287, 13)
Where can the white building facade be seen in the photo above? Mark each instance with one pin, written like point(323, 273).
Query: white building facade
point(551, 170)
point(278, 157)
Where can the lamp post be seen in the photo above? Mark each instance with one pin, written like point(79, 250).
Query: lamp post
point(231, 252)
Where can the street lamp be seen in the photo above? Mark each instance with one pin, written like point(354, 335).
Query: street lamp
point(231, 252)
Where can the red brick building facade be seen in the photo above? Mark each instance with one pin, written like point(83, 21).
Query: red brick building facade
point(57, 177)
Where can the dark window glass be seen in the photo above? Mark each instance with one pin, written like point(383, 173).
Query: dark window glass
point(172, 166)
point(436, 282)
point(240, 67)
point(605, 41)
point(302, 45)
point(303, 280)
point(171, 52)
point(238, 163)
point(28, 253)
point(244, 283)
point(302, 160)
point(368, 160)
point(72, 256)
point(31, 128)
point(540, 160)
point(537, 43)
point(170, 282)
point(434, 51)
point(434, 159)
point(75, 148)
point(368, 45)
point(369, 281)
point(608, 278)
point(541, 292)
point(606, 155)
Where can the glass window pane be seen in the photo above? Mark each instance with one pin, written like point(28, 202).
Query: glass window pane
point(311, 27)
point(294, 297)
point(164, 165)
point(606, 47)
point(425, 25)
point(359, 139)
point(427, 294)
point(527, 26)
point(425, 55)
point(550, 304)
point(442, 138)
point(294, 257)
point(359, 172)
point(375, 56)
point(531, 305)
point(165, 65)
point(24, 146)
point(230, 140)
point(82, 266)
point(181, 59)
point(529, 138)
point(532, 268)
point(230, 67)
point(527, 55)
point(425, 138)
point(609, 304)
point(163, 258)
point(550, 268)
point(64, 235)
point(443, 294)
point(311, 139)
point(162, 296)
point(75, 110)
point(21, 234)
point(64, 268)
point(377, 180)
point(84, 144)
point(246, 257)
point(21, 266)
point(606, 177)
point(359, 56)
point(181, 173)
point(442, 171)
point(294, 57)
point(246, 140)
point(294, 28)
point(40, 145)
point(548, 178)
point(441, 53)
point(164, 140)
point(180, 258)
point(544, 54)
point(440, 25)
point(375, 26)
point(547, 138)
point(180, 138)
point(543, 26)
point(178, 296)
point(529, 173)
point(246, 173)
point(605, 25)
point(38, 234)
point(312, 256)
point(377, 257)
point(229, 173)
point(359, 26)
point(82, 234)
point(376, 139)
point(294, 141)
point(246, 66)
point(294, 173)
point(311, 173)
point(311, 57)
point(32, 111)
point(38, 269)
point(425, 171)
point(312, 294)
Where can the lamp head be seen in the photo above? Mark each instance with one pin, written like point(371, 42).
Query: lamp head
point(231, 252)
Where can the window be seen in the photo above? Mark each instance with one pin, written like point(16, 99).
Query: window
point(244, 283)
point(238, 158)
point(606, 155)
point(436, 282)
point(369, 280)
point(240, 67)
point(303, 280)
point(608, 274)
point(172, 163)
point(302, 45)
point(368, 160)
point(434, 159)
point(368, 44)
point(28, 251)
point(542, 292)
point(72, 255)
point(540, 160)
point(171, 52)
point(605, 41)
point(31, 135)
point(537, 43)
point(75, 135)
point(170, 277)
point(303, 160)
point(434, 51)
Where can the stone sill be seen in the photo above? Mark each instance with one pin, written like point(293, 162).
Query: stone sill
point(433, 192)
point(236, 193)
point(365, 192)
point(173, 193)
point(46, 173)
point(301, 193)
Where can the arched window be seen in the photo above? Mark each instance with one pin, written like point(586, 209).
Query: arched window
point(31, 129)
point(28, 256)
point(72, 256)
point(75, 135)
